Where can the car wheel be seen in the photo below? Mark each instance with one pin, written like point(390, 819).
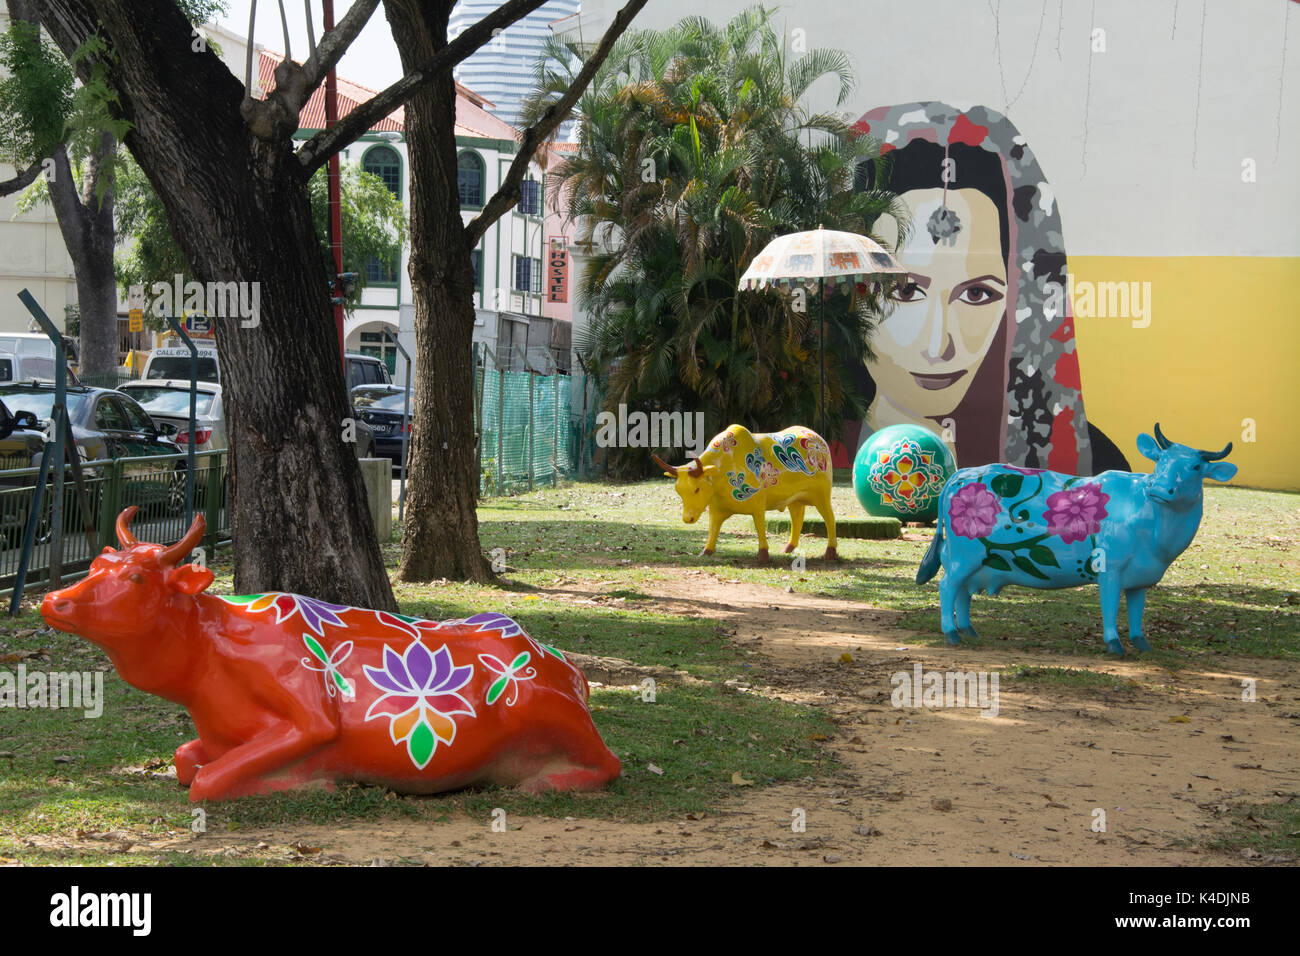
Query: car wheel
point(176, 493)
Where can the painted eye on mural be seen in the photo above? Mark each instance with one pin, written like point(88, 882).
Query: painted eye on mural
point(910, 291)
point(978, 294)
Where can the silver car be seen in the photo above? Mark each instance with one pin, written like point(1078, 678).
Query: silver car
point(167, 401)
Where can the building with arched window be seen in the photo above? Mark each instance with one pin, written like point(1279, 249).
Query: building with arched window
point(514, 315)
point(520, 309)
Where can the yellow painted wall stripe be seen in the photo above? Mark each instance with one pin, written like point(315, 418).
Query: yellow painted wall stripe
point(1221, 352)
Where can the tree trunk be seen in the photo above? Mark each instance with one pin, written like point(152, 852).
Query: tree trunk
point(239, 207)
point(440, 535)
point(86, 223)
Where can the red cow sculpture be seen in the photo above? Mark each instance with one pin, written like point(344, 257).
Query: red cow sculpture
point(287, 690)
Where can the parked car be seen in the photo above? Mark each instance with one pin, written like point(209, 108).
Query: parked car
point(21, 442)
point(24, 367)
point(168, 404)
point(365, 370)
point(380, 407)
point(173, 363)
point(21, 438)
point(108, 424)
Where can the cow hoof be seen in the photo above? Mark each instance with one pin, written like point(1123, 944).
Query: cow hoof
point(952, 637)
point(763, 559)
point(1139, 642)
point(832, 554)
point(706, 552)
point(788, 549)
point(968, 632)
point(1115, 647)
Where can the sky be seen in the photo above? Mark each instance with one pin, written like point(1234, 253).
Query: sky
point(371, 60)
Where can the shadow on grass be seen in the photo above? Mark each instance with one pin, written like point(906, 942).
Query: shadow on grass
point(629, 632)
point(697, 735)
point(1181, 623)
point(578, 545)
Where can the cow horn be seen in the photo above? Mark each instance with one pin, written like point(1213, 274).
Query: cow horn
point(170, 557)
point(124, 536)
point(663, 464)
point(696, 468)
point(1215, 455)
point(1161, 440)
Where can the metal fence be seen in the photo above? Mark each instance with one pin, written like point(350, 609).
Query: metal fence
point(524, 425)
point(155, 485)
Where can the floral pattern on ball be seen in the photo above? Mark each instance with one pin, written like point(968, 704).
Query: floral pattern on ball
point(907, 477)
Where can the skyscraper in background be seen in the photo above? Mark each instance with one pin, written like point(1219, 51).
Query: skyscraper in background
point(503, 69)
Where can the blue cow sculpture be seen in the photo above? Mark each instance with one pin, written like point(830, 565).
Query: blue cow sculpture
point(1001, 525)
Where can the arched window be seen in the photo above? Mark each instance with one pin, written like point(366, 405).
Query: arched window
point(384, 162)
point(469, 176)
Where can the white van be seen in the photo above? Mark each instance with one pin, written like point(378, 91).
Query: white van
point(26, 368)
point(35, 343)
point(173, 362)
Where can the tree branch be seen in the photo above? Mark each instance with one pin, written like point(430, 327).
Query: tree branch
point(508, 193)
point(22, 180)
point(327, 142)
point(277, 115)
point(68, 208)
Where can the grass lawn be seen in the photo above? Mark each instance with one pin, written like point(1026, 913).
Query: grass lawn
point(1232, 592)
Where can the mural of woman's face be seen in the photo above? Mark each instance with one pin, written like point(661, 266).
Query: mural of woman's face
point(947, 313)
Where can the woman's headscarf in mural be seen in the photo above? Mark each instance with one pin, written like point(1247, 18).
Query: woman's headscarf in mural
point(1042, 422)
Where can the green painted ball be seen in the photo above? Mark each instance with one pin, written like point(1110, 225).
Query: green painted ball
point(900, 472)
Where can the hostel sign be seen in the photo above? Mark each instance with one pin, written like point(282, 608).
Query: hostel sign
point(557, 273)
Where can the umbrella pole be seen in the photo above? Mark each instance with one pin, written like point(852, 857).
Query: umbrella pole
point(821, 347)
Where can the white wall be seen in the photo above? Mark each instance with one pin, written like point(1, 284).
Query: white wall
point(1143, 143)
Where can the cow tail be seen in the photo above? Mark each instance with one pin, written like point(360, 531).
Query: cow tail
point(930, 563)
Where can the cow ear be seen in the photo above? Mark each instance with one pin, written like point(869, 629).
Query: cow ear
point(189, 578)
point(1220, 470)
point(1148, 447)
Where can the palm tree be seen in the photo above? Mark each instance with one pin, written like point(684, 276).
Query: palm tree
point(694, 151)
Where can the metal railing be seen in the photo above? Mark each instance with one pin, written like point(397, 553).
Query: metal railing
point(155, 485)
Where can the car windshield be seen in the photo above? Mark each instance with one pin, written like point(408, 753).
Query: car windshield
point(388, 399)
point(40, 401)
point(159, 400)
point(178, 367)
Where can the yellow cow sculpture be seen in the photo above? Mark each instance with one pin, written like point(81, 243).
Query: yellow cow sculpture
point(743, 473)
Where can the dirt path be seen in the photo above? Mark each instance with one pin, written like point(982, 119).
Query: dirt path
point(1162, 756)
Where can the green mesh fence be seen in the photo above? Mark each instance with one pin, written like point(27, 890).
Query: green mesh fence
point(526, 433)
